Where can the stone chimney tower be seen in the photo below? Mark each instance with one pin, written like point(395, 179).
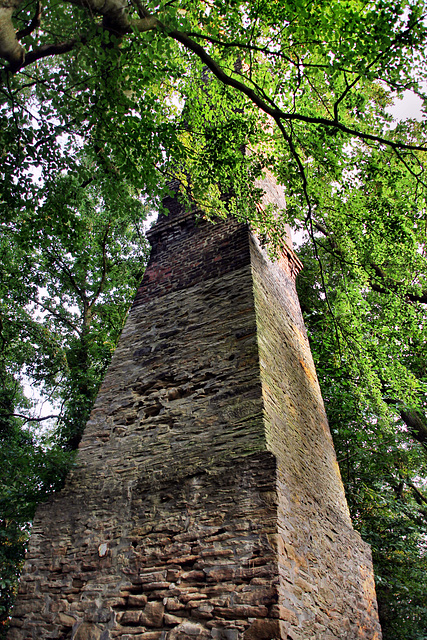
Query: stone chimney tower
point(206, 502)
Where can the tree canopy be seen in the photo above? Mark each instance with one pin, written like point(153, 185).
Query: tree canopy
point(101, 103)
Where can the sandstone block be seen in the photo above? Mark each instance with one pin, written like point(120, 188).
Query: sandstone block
point(189, 630)
point(155, 586)
point(192, 596)
point(129, 617)
point(87, 631)
point(172, 604)
point(152, 616)
point(170, 620)
point(137, 600)
point(65, 621)
point(196, 576)
point(288, 615)
point(263, 630)
point(265, 596)
point(221, 574)
point(172, 575)
point(225, 634)
point(242, 611)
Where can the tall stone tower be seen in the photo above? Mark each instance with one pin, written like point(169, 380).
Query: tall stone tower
point(206, 502)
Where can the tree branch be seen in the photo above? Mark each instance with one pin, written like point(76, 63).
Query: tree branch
point(56, 314)
point(104, 266)
point(34, 24)
point(47, 50)
point(252, 47)
point(410, 297)
point(389, 284)
point(420, 497)
point(381, 54)
point(276, 112)
point(115, 19)
point(416, 424)
point(10, 49)
point(81, 292)
point(27, 419)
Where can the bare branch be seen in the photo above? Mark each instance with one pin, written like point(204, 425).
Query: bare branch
point(104, 266)
point(28, 419)
point(56, 315)
point(34, 24)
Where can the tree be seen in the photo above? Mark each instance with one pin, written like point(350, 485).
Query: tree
point(382, 463)
point(105, 99)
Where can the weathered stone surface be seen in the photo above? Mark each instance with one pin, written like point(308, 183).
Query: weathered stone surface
point(206, 501)
point(87, 631)
point(263, 630)
point(152, 615)
point(66, 621)
point(137, 601)
point(188, 630)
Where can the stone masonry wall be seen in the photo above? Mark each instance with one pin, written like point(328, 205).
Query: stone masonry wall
point(166, 527)
point(205, 502)
point(326, 580)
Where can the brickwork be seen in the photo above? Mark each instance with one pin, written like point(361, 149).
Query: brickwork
point(206, 502)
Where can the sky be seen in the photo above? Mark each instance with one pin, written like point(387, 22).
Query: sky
point(408, 107)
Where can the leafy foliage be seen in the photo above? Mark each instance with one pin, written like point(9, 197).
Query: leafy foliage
point(69, 271)
point(101, 105)
point(367, 353)
point(30, 469)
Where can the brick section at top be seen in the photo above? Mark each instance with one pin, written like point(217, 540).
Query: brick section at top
point(187, 250)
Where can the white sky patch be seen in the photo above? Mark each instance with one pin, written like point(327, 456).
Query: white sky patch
point(299, 236)
point(409, 106)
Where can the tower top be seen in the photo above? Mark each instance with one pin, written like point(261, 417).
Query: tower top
point(177, 214)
